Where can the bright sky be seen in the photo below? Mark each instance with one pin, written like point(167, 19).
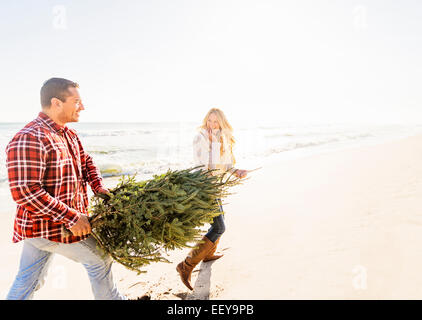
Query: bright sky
point(262, 60)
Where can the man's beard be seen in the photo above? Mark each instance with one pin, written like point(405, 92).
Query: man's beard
point(66, 119)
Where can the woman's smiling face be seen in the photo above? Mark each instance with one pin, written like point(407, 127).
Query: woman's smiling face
point(212, 122)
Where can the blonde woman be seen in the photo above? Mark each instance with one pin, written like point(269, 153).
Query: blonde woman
point(212, 148)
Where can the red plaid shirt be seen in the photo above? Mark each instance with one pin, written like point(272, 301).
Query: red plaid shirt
point(48, 173)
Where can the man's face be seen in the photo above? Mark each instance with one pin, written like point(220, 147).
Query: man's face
point(70, 109)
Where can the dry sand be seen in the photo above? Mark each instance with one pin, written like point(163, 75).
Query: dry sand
point(340, 225)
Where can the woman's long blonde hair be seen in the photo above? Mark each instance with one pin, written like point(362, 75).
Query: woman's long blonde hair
point(225, 127)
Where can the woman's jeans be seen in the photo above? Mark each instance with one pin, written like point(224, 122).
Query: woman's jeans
point(37, 254)
point(217, 227)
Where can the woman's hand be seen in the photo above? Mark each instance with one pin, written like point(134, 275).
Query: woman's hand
point(241, 173)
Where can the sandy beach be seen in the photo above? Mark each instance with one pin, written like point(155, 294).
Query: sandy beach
point(340, 225)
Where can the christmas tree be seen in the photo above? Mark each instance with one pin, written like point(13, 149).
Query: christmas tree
point(139, 221)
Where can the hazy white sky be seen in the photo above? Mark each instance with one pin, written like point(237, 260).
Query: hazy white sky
point(171, 60)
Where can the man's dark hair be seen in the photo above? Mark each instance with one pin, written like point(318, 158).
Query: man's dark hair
point(56, 88)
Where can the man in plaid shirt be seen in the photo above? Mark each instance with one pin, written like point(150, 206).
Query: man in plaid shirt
point(48, 172)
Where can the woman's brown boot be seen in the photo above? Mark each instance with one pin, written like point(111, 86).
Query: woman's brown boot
point(194, 257)
point(211, 254)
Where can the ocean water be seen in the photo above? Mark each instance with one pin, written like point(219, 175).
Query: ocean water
point(150, 148)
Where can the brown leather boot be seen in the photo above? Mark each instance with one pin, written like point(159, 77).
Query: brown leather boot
point(211, 254)
point(194, 257)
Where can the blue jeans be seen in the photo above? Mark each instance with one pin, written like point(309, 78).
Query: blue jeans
point(37, 254)
point(217, 227)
